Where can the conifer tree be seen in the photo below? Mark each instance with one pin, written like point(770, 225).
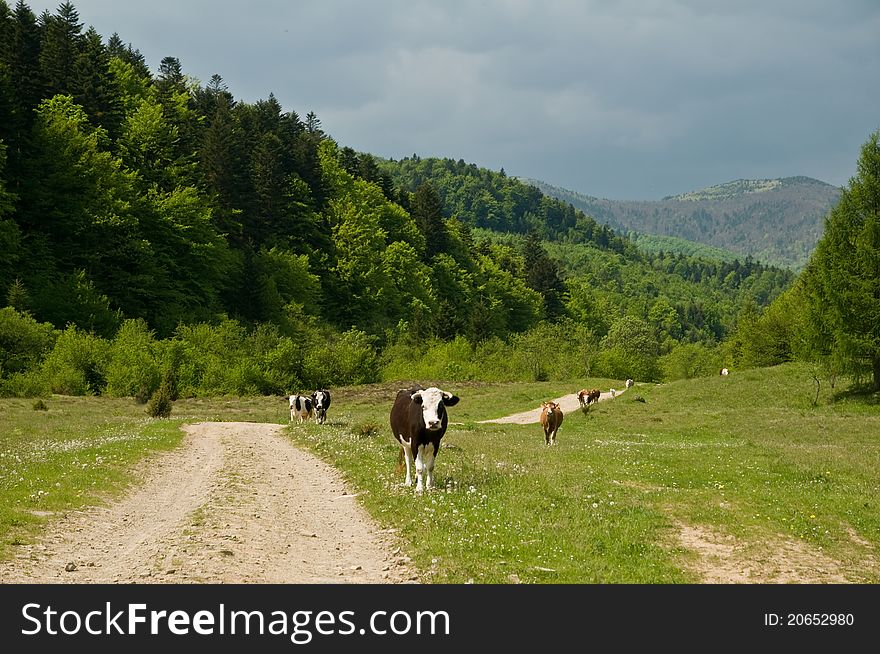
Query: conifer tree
point(427, 212)
point(542, 275)
point(843, 277)
point(61, 46)
point(94, 87)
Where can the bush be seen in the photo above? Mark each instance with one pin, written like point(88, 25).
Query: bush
point(689, 360)
point(24, 342)
point(77, 364)
point(133, 368)
point(160, 403)
point(629, 350)
point(24, 384)
point(346, 359)
point(366, 430)
point(39, 405)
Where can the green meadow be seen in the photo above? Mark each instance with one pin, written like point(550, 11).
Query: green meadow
point(746, 459)
point(768, 481)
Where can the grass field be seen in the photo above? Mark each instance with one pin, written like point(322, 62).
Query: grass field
point(719, 479)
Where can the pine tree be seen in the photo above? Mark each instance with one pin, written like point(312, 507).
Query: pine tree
point(427, 212)
point(116, 48)
point(843, 277)
point(95, 89)
point(60, 50)
point(22, 59)
point(542, 275)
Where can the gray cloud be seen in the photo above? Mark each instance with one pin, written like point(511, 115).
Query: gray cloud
point(626, 100)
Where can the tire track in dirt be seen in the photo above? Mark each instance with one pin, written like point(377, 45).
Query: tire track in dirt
point(236, 503)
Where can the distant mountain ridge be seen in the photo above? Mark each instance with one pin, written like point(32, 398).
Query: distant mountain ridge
point(777, 221)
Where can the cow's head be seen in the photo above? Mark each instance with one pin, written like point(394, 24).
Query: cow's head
point(319, 398)
point(433, 402)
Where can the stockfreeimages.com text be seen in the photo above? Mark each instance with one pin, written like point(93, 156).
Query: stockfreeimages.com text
point(300, 626)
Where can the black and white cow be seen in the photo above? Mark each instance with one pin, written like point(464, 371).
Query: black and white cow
point(300, 407)
point(321, 402)
point(418, 420)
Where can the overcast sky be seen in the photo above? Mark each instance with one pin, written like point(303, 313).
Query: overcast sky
point(619, 99)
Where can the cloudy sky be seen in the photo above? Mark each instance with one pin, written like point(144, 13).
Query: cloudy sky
point(629, 99)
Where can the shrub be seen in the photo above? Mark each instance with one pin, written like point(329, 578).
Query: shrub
point(133, 368)
point(160, 403)
point(630, 349)
point(24, 384)
point(24, 342)
point(77, 364)
point(39, 405)
point(346, 359)
point(689, 360)
point(366, 430)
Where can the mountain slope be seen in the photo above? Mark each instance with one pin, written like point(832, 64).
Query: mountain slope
point(777, 221)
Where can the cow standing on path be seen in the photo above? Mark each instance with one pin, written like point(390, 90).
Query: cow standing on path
point(551, 418)
point(418, 420)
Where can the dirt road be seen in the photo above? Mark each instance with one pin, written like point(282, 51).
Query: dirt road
point(236, 503)
point(567, 403)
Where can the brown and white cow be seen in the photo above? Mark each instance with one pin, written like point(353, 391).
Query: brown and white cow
point(418, 421)
point(587, 397)
point(551, 419)
point(583, 396)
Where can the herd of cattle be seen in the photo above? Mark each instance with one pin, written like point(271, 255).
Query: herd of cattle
point(419, 421)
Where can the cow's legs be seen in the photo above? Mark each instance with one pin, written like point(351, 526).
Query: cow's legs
point(425, 466)
point(420, 468)
point(429, 466)
point(407, 455)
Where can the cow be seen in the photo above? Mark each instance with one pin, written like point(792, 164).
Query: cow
point(321, 402)
point(587, 397)
point(629, 383)
point(724, 372)
point(418, 422)
point(583, 396)
point(300, 407)
point(551, 419)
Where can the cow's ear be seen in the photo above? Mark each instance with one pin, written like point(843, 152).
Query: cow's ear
point(449, 399)
point(417, 397)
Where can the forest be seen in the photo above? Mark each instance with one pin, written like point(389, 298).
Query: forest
point(155, 229)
